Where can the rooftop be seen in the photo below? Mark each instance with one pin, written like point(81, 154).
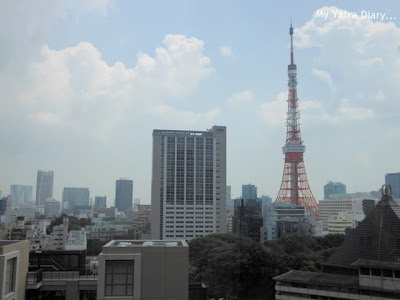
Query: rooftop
point(319, 278)
point(141, 243)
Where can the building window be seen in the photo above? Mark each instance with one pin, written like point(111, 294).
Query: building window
point(119, 278)
point(10, 275)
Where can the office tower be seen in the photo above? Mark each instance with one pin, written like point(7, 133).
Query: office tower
point(188, 192)
point(265, 200)
point(44, 187)
point(248, 220)
point(334, 188)
point(20, 194)
point(294, 187)
point(100, 201)
point(249, 191)
point(75, 197)
point(123, 194)
point(5, 210)
point(51, 208)
point(393, 179)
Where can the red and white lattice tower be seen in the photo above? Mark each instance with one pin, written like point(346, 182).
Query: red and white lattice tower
point(294, 187)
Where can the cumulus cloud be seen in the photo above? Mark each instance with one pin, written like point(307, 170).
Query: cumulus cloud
point(241, 97)
point(274, 112)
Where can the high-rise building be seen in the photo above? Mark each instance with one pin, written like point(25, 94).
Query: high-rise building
point(334, 188)
point(228, 198)
point(75, 197)
point(123, 194)
point(248, 220)
point(393, 179)
point(20, 194)
point(100, 201)
point(249, 191)
point(188, 193)
point(44, 187)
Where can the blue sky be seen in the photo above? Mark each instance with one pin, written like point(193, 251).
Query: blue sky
point(84, 83)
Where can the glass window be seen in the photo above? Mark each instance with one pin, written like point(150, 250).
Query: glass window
point(119, 278)
point(10, 275)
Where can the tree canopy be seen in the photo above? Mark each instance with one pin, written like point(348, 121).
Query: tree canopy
point(235, 267)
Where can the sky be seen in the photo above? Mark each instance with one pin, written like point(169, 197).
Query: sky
point(84, 83)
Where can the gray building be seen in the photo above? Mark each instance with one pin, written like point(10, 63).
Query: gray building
point(5, 210)
point(100, 201)
point(20, 194)
point(52, 208)
point(249, 191)
point(188, 193)
point(44, 187)
point(393, 179)
point(123, 194)
point(144, 270)
point(334, 188)
point(229, 198)
point(75, 197)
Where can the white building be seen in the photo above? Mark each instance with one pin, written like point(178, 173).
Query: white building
point(188, 197)
point(76, 240)
point(105, 232)
point(338, 224)
point(59, 236)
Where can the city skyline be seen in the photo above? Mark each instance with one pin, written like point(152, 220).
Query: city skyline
point(84, 85)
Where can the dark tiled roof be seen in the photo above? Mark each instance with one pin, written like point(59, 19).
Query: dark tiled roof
point(376, 238)
point(319, 278)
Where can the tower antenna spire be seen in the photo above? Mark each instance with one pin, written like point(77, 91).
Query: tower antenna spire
point(294, 187)
point(291, 43)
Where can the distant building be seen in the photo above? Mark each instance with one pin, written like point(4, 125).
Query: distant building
point(229, 198)
point(100, 201)
point(52, 208)
point(59, 236)
point(144, 211)
point(265, 200)
point(5, 211)
point(393, 179)
point(188, 193)
point(338, 224)
point(144, 270)
point(249, 191)
point(280, 218)
point(334, 188)
point(247, 220)
point(75, 197)
point(365, 266)
point(98, 212)
point(20, 194)
point(123, 194)
point(105, 232)
point(332, 207)
point(14, 261)
point(44, 187)
point(76, 240)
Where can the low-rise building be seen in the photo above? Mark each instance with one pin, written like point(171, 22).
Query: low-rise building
point(144, 270)
point(105, 232)
point(14, 261)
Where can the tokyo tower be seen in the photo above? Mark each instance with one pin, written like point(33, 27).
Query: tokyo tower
point(294, 187)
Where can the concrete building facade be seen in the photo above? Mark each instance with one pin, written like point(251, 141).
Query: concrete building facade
point(144, 270)
point(14, 261)
point(188, 194)
point(100, 201)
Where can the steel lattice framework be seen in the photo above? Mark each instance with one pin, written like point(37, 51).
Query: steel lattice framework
point(294, 187)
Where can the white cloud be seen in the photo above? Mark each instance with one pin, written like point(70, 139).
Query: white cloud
point(187, 118)
point(241, 97)
point(324, 76)
point(274, 112)
point(45, 118)
point(226, 51)
point(380, 96)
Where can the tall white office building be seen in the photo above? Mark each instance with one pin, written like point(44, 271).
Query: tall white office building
point(188, 193)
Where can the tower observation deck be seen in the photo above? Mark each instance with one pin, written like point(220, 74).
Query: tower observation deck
point(294, 187)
